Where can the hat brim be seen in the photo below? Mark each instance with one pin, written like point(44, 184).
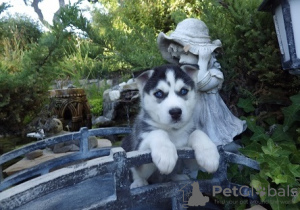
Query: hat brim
point(164, 41)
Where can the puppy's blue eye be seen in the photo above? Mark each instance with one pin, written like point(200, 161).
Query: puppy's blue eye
point(159, 94)
point(183, 91)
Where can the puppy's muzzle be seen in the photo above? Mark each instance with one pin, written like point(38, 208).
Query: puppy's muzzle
point(175, 113)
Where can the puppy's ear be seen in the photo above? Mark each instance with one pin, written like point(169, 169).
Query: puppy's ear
point(143, 78)
point(191, 71)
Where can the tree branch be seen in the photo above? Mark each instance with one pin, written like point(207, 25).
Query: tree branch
point(38, 11)
point(61, 4)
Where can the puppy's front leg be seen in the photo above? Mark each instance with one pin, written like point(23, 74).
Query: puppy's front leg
point(206, 152)
point(141, 174)
point(163, 151)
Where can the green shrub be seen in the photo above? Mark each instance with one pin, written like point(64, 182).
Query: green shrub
point(22, 87)
point(260, 90)
point(275, 147)
point(28, 64)
point(96, 106)
point(250, 56)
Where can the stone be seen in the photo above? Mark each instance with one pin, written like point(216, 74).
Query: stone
point(102, 121)
point(104, 143)
point(120, 104)
point(34, 154)
point(109, 82)
point(93, 142)
point(63, 148)
point(53, 126)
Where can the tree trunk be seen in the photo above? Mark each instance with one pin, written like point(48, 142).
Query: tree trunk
point(61, 4)
point(38, 11)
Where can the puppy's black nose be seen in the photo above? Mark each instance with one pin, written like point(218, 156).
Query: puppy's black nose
point(175, 113)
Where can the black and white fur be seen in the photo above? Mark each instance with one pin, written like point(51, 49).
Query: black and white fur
point(165, 122)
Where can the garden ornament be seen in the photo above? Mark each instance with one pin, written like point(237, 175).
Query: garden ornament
point(193, 35)
point(190, 43)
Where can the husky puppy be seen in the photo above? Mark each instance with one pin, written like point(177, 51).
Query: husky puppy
point(165, 122)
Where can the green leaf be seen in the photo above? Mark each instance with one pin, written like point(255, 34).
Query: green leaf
point(280, 134)
point(290, 113)
point(271, 148)
point(296, 198)
point(268, 162)
point(259, 132)
point(295, 169)
point(280, 178)
point(289, 146)
point(253, 150)
point(273, 161)
point(295, 157)
point(246, 104)
point(277, 169)
point(278, 202)
point(270, 172)
point(260, 184)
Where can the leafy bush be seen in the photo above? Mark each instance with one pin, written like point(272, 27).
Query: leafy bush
point(266, 95)
point(28, 64)
point(276, 149)
point(81, 60)
point(250, 57)
point(19, 98)
point(96, 106)
point(128, 30)
point(84, 49)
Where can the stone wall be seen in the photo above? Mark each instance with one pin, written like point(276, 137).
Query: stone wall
point(83, 83)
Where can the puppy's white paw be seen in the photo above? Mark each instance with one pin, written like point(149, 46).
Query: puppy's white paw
point(165, 157)
point(208, 157)
point(138, 183)
point(206, 152)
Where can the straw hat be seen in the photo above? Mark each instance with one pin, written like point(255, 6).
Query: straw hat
point(192, 34)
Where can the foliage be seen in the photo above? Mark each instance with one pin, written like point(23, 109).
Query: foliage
point(83, 48)
point(3, 7)
point(37, 10)
point(128, 30)
point(127, 44)
point(6, 145)
point(94, 95)
point(96, 106)
point(28, 64)
point(255, 82)
point(18, 42)
point(81, 60)
point(120, 36)
point(250, 56)
point(277, 152)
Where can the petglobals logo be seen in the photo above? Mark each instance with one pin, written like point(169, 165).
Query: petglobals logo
point(246, 191)
point(194, 197)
